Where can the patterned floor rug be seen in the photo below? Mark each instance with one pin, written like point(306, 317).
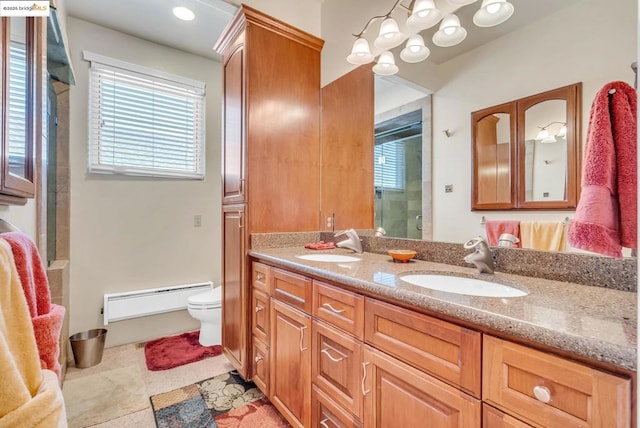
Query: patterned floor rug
point(224, 401)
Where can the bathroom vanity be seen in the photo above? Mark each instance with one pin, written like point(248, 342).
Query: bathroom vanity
point(350, 344)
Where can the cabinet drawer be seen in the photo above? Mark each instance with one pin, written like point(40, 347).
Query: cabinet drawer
point(260, 365)
point(551, 391)
point(291, 288)
point(445, 350)
point(494, 418)
point(260, 277)
point(327, 414)
point(340, 308)
point(336, 366)
point(398, 395)
point(260, 315)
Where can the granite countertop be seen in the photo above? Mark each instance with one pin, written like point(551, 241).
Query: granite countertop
point(594, 322)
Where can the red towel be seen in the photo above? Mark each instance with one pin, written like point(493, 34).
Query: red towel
point(495, 228)
point(46, 317)
point(321, 246)
point(606, 216)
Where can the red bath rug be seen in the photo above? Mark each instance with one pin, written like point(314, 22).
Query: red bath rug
point(174, 351)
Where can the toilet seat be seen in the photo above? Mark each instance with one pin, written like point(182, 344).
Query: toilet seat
point(210, 299)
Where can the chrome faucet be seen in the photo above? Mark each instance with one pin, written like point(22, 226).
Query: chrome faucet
point(352, 242)
point(482, 256)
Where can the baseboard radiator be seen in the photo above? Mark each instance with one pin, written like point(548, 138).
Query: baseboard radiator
point(141, 303)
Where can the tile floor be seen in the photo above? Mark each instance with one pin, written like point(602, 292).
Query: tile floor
point(155, 381)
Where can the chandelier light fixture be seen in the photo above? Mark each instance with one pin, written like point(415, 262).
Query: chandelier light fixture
point(422, 14)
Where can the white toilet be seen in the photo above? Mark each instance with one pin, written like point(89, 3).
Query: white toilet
point(207, 308)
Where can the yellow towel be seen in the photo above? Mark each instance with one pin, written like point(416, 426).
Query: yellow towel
point(542, 235)
point(29, 396)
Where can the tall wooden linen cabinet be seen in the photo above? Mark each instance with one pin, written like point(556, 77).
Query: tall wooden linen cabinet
point(270, 152)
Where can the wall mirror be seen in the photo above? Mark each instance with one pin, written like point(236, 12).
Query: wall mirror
point(526, 153)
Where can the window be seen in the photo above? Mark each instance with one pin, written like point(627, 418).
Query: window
point(389, 165)
point(17, 108)
point(144, 122)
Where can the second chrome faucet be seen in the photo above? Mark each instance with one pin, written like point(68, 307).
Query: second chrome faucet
point(352, 242)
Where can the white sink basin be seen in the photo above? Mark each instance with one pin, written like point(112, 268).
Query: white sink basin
point(333, 258)
point(463, 285)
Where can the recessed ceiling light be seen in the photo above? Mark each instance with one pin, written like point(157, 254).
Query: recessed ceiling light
point(183, 13)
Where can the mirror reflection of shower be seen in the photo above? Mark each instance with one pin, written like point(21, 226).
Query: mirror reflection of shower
point(402, 159)
point(398, 176)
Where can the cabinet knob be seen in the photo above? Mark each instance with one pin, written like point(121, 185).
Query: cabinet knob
point(542, 393)
point(258, 358)
point(259, 277)
point(259, 308)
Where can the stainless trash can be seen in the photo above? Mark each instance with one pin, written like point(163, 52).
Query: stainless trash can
point(87, 347)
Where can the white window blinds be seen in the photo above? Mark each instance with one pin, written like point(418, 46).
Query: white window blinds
point(388, 170)
point(144, 122)
point(17, 109)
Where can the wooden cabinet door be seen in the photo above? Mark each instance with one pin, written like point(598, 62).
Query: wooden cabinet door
point(233, 141)
point(235, 292)
point(398, 395)
point(336, 366)
point(325, 413)
point(260, 317)
point(546, 390)
point(260, 361)
point(347, 142)
point(291, 363)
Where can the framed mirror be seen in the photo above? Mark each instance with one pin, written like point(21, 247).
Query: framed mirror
point(494, 157)
point(549, 149)
point(526, 153)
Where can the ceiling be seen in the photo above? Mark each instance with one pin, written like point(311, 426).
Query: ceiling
point(153, 20)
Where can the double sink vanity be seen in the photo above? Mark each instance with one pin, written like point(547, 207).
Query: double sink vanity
point(341, 339)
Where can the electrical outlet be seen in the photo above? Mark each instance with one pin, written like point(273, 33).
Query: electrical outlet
point(197, 220)
point(448, 188)
point(329, 221)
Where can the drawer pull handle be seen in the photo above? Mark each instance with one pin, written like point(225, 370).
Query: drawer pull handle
point(258, 358)
point(259, 308)
point(334, 310)
point(302, 329)
point(542, 393)
point(364, 378)
point(259, 277)
point(335, 360)
point(324, 423)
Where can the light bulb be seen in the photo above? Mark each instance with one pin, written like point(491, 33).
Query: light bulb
point(386, 65)
point(424, 15)
point(415, 50)
point(493, 8)
point(450, 32)
point(360, 53)
point(493, 12)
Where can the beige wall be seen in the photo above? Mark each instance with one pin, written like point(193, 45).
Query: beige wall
point(592, 42)
point(130, 233)
point(303, 14)
point(23, 217)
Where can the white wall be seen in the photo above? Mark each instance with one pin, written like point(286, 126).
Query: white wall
point(23, 217)
point(130, 233)
point(592, 41)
